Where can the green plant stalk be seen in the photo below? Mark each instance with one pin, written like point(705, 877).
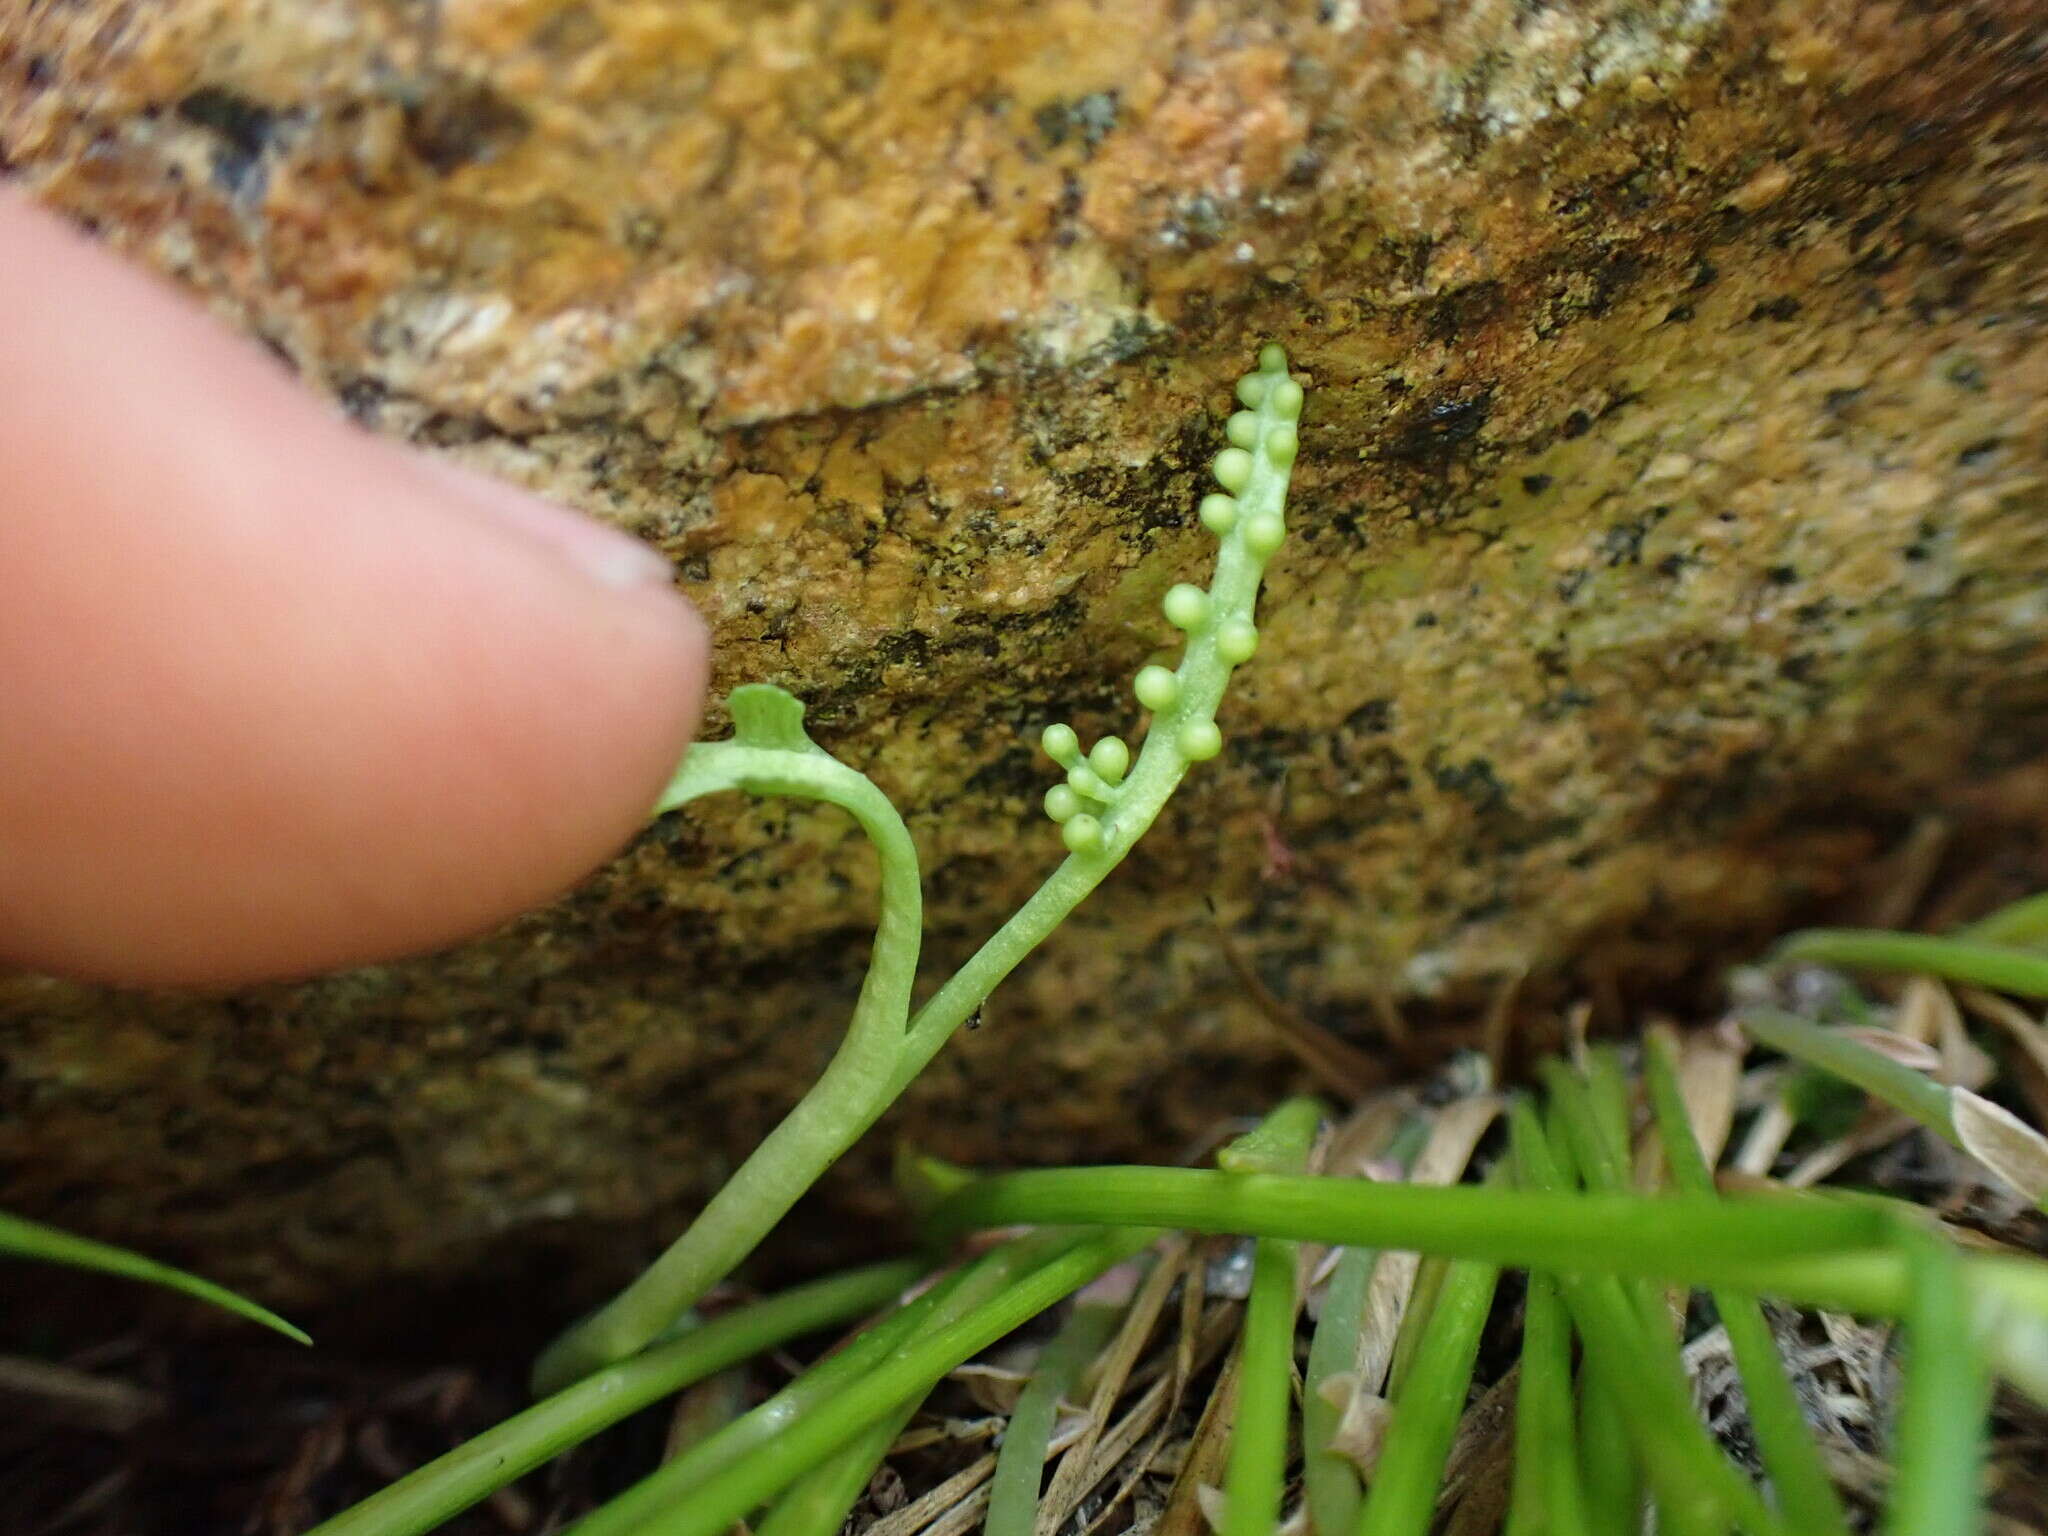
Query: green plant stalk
point(1609, 1476)
point(1608, 1092)
point(1893, 1082)
point(2003, 968)
point(1756, 1242)
point(1105, 813)
point(818, 1503)
point(1805, 1492)
point(1402, 1499)
point(837, 1375)
point(1590, 1116)
point(1020, 1464)
point(32, 1240)
point(1587, 1153)
point(2022, 923)
point(1695, 1487)
point(1939, 1451)
point(1429, 1279)
point(1601, 1163)
point(1546, 1498)
point(449, 1484)
point(1591, 1127)
point(1257, 1472)
point(711, 1508)
point(1329, 1480)
point(2009, 1307)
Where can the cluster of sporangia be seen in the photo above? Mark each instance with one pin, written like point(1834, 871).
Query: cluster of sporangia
point(1095, 779)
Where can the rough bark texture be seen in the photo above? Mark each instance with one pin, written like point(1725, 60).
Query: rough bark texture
point(1668, 529)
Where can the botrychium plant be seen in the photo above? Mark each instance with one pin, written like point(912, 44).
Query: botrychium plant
point(1103, 807)
point(1400, 1218)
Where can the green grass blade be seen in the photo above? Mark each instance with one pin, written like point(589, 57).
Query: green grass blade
point(837, 1374)
point(1893, 1082)
point(711, 1508)
point(1402, 1499)
point(1668, 1237)
point(1608, 1471)
point(1546, 1498)
point(1257, 1471)
point(1940, 1433)
point(1607, 1088)
point(1020, 1465)
point(818, 1503)
point(1610, 1477)
point(1330, 1482)
point(1638, 1364)
point(1785, 1443)
point(2022, 923)
point(1329, 1479)
point(506, 1452)
point(1590, 1118)
point(32, 1240)
point(2001, 967)
point(1599, 1149)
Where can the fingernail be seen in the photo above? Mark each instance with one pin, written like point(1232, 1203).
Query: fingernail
point(601, 552)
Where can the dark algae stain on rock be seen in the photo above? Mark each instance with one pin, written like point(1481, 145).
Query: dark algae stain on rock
point(1679, 413)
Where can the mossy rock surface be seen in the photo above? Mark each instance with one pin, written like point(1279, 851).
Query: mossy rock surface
point(1668, 531)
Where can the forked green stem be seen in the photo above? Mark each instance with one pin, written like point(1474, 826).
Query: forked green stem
point(770, 755)
point(1104, 806)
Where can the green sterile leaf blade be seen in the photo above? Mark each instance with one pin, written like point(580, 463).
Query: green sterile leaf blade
point(32, 1240)
point(768, 718)
point(769, 755)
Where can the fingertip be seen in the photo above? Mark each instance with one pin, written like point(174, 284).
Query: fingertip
point(283, 697)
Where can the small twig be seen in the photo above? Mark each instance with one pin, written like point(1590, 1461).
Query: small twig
point(78, 1399)
point(1342, 1067)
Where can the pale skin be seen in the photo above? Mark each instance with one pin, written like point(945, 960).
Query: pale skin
point(276, 696)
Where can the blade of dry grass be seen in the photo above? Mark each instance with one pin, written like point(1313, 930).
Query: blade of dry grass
point(2029, 1038)
point(1341, 1066)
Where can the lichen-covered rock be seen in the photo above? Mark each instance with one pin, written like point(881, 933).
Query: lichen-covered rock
point(1669, 521)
